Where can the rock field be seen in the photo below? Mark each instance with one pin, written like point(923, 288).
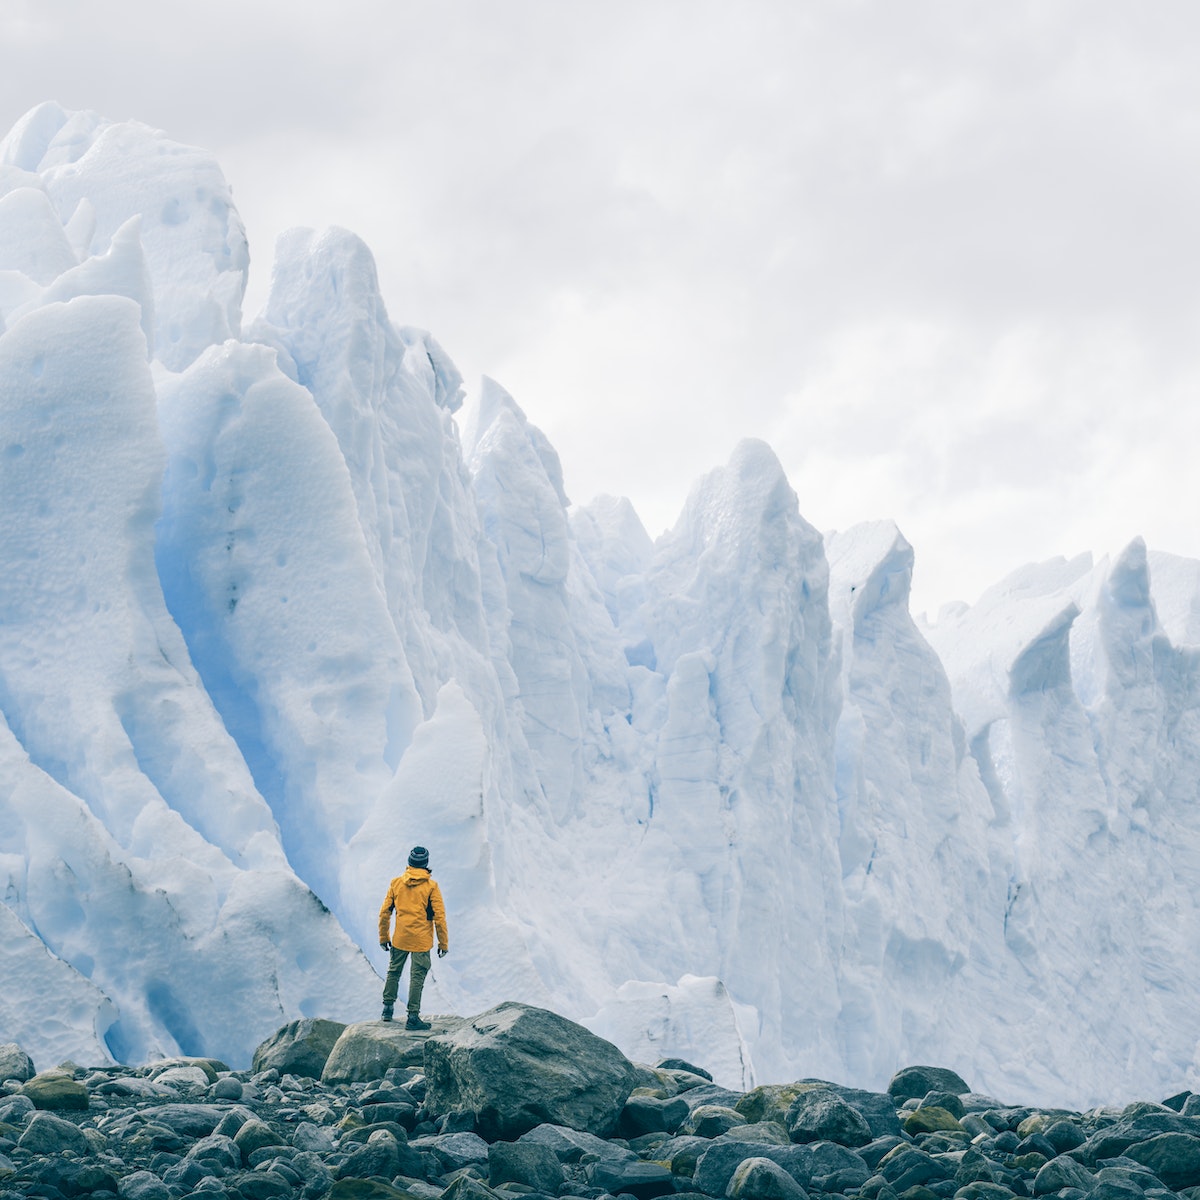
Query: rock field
point(519, 1104)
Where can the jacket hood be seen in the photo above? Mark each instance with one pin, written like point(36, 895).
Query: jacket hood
point(415, 875)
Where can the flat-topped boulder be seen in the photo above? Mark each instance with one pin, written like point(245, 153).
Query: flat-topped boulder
point(367, 1050)
point(516, 1067)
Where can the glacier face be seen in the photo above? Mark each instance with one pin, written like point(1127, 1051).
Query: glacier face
point(268, 618)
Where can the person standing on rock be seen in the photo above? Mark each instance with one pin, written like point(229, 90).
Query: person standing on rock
point(416, 900)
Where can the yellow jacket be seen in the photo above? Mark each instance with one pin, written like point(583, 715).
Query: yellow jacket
point(408, 896)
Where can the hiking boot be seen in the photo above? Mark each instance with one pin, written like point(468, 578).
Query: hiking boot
point(415, 1022)
point(387, 1012)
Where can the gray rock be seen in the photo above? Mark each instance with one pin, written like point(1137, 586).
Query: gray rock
point(1059, 1173)
point(715, 1167)
point(465, 1187)
point(643, 1180)
point(299, 1048)
point(681, 1064)
point(1113, 1140)
point(47, 1134)
point(649, 1114)
point(313, 1138)
point(570, 1145)
point(877, 1108)
point(529, 1163)
point(369, 1049)
point(15, 1063)
point(453, 1151)
point(1173, 1157)
point(762, 1179)
point(761, 1131)
point(210, 1067)
point(836, 1168)
point(15, 1108)
point(227, 1088)
point(915, 1082)
point(218, 1151)
point(255, 1135)
point(909, 1167)
point(1064, 1135)
point(945, 1100)
point(711, 1120)
point(517, 1067)
point(184, 1078)
point(143, 1185)
point(190, 1120)
point(824, 1116)
point(56, 1090)
point(380, 1155)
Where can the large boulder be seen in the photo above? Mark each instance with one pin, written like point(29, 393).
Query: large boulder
point(517, 1067)
point(300, 1048)
point(369, 1049)
point(916, 1082)
point(15, 1063)
point(820, 1115)
point(55, 1090)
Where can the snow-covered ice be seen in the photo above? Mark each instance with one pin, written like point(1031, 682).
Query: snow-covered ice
point(275, 605)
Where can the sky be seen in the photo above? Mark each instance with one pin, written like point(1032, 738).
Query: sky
point(942, 256)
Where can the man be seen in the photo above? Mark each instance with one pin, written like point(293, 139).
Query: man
point(417, 902)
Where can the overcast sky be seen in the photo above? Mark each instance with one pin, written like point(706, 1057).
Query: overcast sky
point(942, 256)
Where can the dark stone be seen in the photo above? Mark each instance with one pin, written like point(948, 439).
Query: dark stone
point(1115, 1139)
point(518, 1067)
point(1173, 1157)
point(300, 1048)
point(931, 1119)
point(366, 1189)
point(1176, 1102)
point(761, 1179)
point(529, 1163)
point(648, 1114)
point(947, 1100)
point(681, 1064)
point(1061, 1172)
point(454, 1151)
point(908, 1167)
point(459, 1120)
point(824, 1116)
point(48, 1134)
point(1064, 1135)
point(772, 1102)
point(874, 1150)
point(915, 1082)
point(711, 1120)
point(16, 1064)
point(715, 1167)
point(1036, 1143)
point(218, 1151)
point(187, 1174)
point(643, 1180)
point(143, 1185)
point(264, 1185)
point(190, 1120)
point(836, 1168)
point(378, 1156)
point(255, 1135)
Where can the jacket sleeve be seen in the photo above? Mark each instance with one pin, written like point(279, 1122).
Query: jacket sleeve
point(385, 917)
point(439, 918)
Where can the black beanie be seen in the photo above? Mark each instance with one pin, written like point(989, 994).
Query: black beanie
point(419, 857)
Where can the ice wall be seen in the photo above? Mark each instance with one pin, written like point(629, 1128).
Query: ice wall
point(269, 616)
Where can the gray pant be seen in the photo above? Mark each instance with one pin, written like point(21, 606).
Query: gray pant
point(416, 978)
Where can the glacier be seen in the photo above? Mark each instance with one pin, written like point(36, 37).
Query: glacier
point(277, 602)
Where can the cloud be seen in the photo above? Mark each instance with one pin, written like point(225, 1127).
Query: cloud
point(939, 254)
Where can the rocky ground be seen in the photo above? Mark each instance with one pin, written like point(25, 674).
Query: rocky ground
point(519, 1103)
